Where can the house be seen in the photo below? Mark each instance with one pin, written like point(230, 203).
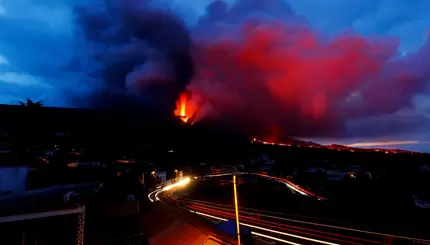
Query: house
point(5, 144)
point(354, 171)
point(421, 203)
point(335, 174)
point(13, 173)
point(13, 179)
point(316, 168)
point(162, 176)
point(263, 158)
point(354, 168)
point(263, 161)
point(331, 172)
point(227, 168)
point(425, 167)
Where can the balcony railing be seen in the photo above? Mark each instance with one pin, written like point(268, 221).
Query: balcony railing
point(44, 228)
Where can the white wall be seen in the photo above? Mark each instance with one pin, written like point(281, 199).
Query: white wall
point(13, 179)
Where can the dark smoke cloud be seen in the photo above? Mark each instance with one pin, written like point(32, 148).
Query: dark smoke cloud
point(142, 55)
point(254, 63)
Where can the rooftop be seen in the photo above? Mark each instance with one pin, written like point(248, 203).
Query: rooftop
point(166, 225)
point(41, 200)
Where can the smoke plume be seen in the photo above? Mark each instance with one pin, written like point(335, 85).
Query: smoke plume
point(252, 63)
point(142, 54)
point(261, 65)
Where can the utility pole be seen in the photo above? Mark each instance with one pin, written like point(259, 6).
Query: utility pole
point(237, 209)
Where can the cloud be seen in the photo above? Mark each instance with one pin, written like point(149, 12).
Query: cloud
point(137, 51)
point(20, 79)
point(3, 60)
point(403, 19)
point(46, 49)
point(262, 66)
point(37, 39)
point(3, 10)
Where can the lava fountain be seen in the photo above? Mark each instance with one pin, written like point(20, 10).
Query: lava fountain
point(181, 108)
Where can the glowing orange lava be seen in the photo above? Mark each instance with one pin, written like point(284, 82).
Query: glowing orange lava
point(181, 108)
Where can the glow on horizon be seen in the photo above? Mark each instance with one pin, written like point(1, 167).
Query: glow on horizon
point(387, 143)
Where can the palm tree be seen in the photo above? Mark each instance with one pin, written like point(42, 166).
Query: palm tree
point(30, 128)
point(30, 103)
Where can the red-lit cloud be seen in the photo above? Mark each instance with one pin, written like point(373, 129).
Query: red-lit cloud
point(258, 67)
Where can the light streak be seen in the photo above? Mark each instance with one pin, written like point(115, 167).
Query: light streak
point(274, 238)
point(182, 182)
point(288, 183)
point(291, 228)
point(291, 185)
point(150, 194)
point(156, 195)
point(219, 175)
point(177, 184)
point(288, 234)
point(345, 228)
point(208, 215)
point(270, 230)
point(299, 221)
point(295, 189)
point(228, 207)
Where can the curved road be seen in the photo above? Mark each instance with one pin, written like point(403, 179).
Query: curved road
point(277, 227)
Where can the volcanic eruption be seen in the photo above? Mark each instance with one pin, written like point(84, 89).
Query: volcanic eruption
point(261, 68)
point(254, 65)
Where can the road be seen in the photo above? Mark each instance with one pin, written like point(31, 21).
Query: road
point(276, 227)
point(154, 195)
point(289, 230)
point(292, 186)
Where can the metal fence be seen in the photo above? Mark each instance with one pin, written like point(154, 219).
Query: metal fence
point(46, 228)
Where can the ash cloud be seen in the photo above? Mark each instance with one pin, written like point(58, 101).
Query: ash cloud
point(142, 54)
point(253, 64)
point(261, 66)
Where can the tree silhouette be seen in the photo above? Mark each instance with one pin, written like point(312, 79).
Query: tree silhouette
point(30, 130)
point(30, 103)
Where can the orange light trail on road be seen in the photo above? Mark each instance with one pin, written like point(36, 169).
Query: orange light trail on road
point(255, 225)
point(284, 227)
point(289, 184)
